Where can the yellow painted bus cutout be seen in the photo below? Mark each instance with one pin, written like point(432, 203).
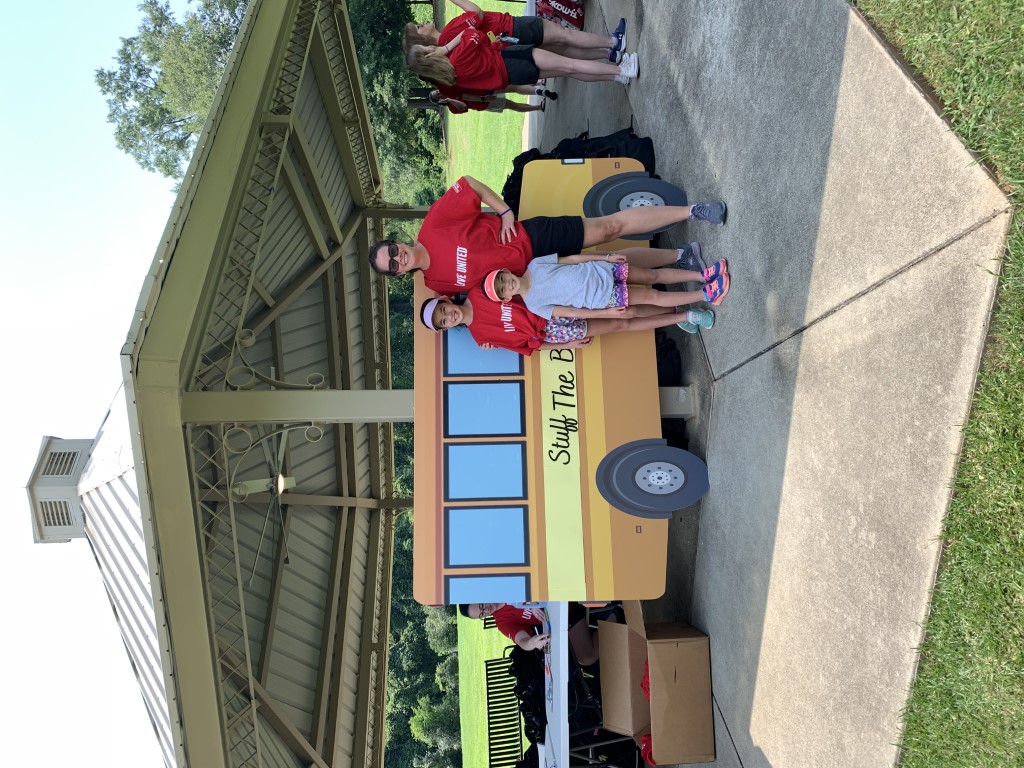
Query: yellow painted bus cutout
point(543, 478)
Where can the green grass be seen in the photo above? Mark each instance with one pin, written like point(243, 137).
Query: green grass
point(475, 646)
point(966, 707)
point(483, 144)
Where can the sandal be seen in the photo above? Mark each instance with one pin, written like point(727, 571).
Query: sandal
point(715, 291)
point(720, 267)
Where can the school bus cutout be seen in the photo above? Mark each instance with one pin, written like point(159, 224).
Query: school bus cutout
point(543, 478)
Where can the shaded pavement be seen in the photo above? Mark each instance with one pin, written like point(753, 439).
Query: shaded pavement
point(863, 241)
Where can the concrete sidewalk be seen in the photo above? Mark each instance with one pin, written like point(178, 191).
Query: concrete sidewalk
point(863, 241)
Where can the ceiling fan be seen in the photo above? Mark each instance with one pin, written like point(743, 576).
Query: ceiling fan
point(274, 446)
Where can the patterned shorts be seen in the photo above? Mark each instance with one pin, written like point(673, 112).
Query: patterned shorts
point(620, 291)
point(560, 330)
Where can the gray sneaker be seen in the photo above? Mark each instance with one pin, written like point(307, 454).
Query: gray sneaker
point(630, 66)
point(688, 257)
point(713, 212)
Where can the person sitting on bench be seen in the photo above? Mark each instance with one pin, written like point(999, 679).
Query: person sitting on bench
point(522, 623)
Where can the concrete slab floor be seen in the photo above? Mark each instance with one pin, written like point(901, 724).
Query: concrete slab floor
point(863, 240)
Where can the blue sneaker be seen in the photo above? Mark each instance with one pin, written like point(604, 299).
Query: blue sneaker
point(619, 35)
point(713, 212)
point(704, 318)
point(687, 326)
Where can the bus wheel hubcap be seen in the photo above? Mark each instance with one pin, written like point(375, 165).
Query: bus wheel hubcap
point(659, 477)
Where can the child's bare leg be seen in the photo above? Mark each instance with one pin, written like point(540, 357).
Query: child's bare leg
point(596, 327)
point(641, 294)
point(651, 258)
point(635, 309)
point(642, 276)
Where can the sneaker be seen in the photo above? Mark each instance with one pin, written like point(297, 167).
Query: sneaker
point(714, 212)
point(720, 267)
point(687, 326)
point(704, 318)
point(688, 257)
point(716, 290)
point(630, 66)
point(622, 79)
point(550, 95)
point(619, 35)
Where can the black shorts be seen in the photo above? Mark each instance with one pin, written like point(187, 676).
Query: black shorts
point(529, 29)
point(519, 63)
point(554, 234)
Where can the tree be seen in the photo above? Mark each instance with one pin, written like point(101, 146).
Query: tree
point(160, 92)
point(436, 723)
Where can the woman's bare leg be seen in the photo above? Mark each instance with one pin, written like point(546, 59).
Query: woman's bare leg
point(573, 52)
point(556, 34)
point(518, 106)
point(584, 644)
point(552, 65)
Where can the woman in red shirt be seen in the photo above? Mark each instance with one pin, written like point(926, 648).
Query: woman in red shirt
point(527, 30)
point(522, 625)
point(473, 63)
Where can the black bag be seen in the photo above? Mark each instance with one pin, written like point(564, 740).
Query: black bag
point(624, 143)
point(527, 668)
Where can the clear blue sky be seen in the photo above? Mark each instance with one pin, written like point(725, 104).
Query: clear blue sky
point(80, 224)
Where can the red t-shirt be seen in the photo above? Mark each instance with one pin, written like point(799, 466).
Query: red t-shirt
point(463, 242)
point(510, 620)
point(494, 22)
point(478, 65)
point(509, 324)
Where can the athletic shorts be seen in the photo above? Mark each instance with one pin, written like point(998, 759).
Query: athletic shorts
point(555, 234)
point(519, 63)
point(529, 30)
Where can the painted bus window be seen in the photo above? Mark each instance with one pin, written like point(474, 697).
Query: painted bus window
point(475, 589)
point(478, 471)
point(476, 536)
point(483, 408)
point(462, 357)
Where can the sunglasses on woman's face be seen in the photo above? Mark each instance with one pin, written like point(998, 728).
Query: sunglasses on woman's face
point(393, 265)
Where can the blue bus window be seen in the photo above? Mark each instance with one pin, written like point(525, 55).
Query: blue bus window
point(475, 471)
point(487, 589)
point(483, 409)
point(485, 536)
point(462, 357)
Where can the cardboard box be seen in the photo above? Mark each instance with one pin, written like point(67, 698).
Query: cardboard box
point(679, 716)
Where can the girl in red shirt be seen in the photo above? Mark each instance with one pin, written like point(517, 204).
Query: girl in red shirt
point(473, 63)
point(527, 30)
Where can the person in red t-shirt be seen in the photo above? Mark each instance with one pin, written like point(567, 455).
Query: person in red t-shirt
point(494, 102)
point(526, 30)
point(510, 325)
point(522, 623)
point(459, 244)
point(473, 63)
